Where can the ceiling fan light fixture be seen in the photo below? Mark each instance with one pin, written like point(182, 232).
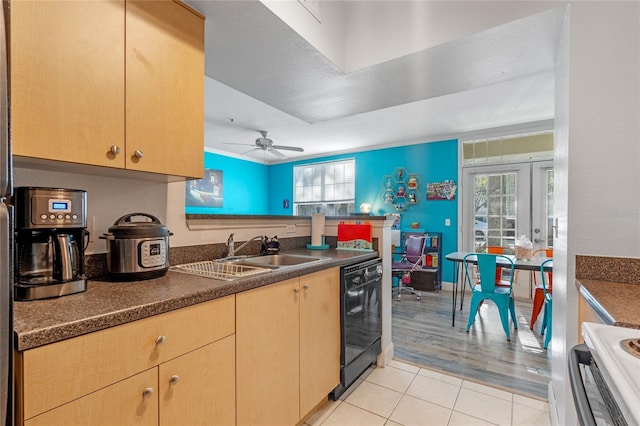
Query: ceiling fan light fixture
point(264, 143)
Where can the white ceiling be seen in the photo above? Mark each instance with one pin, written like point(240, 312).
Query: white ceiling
point(262, 75)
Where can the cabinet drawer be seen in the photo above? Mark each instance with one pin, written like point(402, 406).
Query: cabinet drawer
point(98, 408)
point(57, 373)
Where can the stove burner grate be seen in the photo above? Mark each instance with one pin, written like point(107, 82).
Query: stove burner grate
point(631, 346)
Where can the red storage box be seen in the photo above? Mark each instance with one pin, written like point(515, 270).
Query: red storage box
point(354, 236)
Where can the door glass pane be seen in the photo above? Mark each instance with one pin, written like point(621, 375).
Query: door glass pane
point(549, 208)
point(495, 210)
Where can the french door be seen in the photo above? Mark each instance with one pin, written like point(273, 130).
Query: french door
point(504, 201)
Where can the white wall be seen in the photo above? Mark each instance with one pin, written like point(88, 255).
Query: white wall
point(357, 34)
point(597, 156)
point(378, 31)
point(326, 33)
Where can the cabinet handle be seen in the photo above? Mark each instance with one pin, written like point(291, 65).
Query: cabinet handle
point(160, 340)
point(115, 149)
point(174, 379)
point(147, 393)
point(297, 289)
point(138, 154)
point(306, 286)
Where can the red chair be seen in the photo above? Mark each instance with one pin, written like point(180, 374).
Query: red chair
point(539, 295)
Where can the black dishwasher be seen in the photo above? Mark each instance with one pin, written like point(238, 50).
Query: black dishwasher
point(360, 320)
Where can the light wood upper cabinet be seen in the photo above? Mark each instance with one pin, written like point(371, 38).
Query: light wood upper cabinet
point(288, 348)
point(67, 80)
point(165, 88)
point(109, 83)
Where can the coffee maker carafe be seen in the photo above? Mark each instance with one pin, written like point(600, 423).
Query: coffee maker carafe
point(50, 242)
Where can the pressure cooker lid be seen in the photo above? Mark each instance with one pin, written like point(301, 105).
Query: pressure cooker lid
point(124, 227)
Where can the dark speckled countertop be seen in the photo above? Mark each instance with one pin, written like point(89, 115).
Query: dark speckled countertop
point(106, 304)
point(611, 286)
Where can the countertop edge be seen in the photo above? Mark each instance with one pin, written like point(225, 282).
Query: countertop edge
point(613, 302)
point(33, 328)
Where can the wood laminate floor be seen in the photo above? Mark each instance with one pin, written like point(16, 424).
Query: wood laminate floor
point(422, 334)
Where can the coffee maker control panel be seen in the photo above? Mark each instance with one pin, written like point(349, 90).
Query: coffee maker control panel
point(51, 208)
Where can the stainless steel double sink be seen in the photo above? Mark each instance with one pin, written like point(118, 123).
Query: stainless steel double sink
point(230, 269)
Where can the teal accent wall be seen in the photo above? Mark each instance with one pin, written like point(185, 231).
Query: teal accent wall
point(252, 188)
point(433, 161)
point(245, 186)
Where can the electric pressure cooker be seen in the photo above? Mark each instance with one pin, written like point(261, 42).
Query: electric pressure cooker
point(137, 250)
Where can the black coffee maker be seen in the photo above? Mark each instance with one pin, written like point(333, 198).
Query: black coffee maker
point(50, 240)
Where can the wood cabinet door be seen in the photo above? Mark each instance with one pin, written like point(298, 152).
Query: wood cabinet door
point(165, 88)
point(585, 314)
point(199, 388)
point(123, 403)
point(319, 337)
point(67, 80)
point(267, 345)
point(104, 357)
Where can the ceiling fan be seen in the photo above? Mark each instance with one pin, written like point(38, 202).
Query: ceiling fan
point(265, 144)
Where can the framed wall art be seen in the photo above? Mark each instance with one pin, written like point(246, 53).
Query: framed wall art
point(445, 190)
point(205, 192)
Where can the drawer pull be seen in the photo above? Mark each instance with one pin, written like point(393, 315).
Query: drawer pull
point(160, 340)
point(174, 380)
point(147, 393)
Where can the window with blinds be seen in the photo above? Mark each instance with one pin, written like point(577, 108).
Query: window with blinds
point(327, 187)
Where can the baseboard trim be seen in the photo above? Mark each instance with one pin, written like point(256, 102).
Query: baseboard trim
point(553, 406)
point(386, 355)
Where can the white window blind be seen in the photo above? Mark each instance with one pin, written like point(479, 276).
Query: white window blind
point(328, 187)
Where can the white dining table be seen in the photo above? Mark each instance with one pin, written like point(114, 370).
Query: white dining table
point(456, 257)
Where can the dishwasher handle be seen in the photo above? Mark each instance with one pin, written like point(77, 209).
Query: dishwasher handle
point(580, 354)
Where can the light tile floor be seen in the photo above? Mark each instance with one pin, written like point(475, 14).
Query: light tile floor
point(404, 394)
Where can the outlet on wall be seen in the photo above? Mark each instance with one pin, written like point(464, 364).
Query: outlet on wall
point(291, 229)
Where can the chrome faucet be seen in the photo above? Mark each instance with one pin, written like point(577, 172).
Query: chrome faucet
point(231, 245)
point(233, 250)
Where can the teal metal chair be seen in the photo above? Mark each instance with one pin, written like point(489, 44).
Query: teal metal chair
point(548, 298)
point(501, 295)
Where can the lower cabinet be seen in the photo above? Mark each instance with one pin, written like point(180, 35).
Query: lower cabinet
point(123, 403)
point(175, 368)
point(266, 356)
point(288, 348)
point(585, 314)
point(198, 388)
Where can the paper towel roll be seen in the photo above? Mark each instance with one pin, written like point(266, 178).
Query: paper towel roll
point(317, 229)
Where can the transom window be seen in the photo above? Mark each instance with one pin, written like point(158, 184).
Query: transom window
point(532, 146)
point(327, 187)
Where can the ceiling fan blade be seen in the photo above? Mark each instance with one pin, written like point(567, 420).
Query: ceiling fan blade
point(277, 153)
point(233, 143)
point(288, 148)
point(251, 150)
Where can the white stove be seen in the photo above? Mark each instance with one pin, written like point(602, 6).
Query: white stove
point(612, 348)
